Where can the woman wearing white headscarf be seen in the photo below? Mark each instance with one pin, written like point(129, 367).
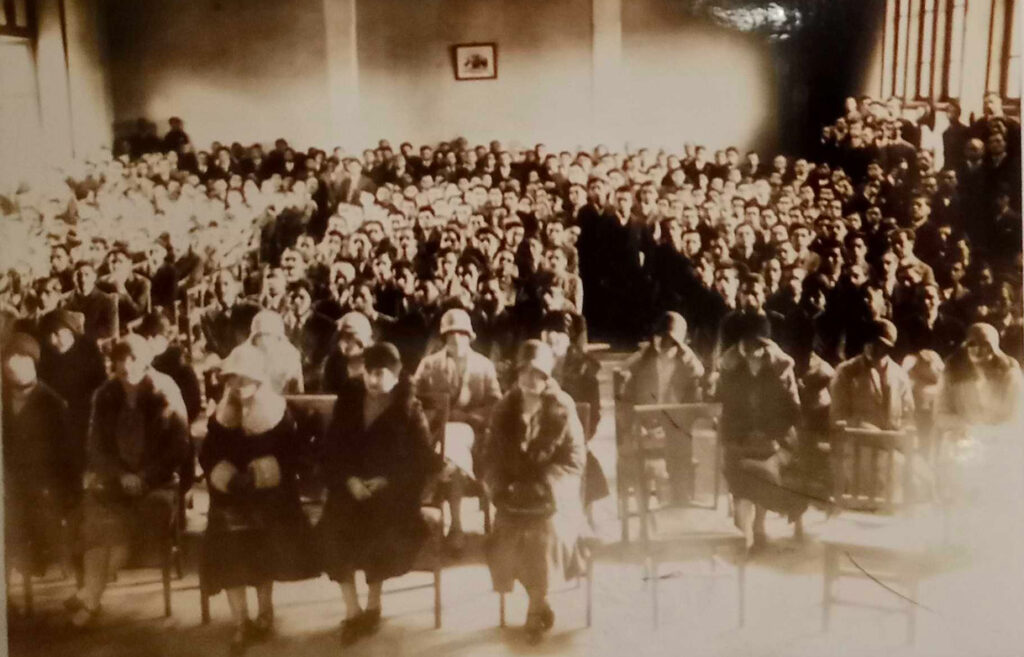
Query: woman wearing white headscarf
point(283, 361)
point(257, 532)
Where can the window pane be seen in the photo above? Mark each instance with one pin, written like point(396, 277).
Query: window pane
point(901, 48)
point(956, 49)
point(1013, 77)
point(939, 62)
point(924, 86)
point(915, 36)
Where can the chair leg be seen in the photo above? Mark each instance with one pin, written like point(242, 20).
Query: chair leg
point(26, 578)
point(437, 598)
point(624, 513)
point(652, 570)
point(590, 590)
point(741, 582)
point(165, 572)
point(829, 576)
point(486, 504)
point(204, 607)
point(501, 610)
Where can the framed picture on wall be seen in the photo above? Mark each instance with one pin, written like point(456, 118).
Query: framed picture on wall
point(476, 61)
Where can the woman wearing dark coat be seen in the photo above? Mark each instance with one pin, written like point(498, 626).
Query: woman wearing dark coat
point(532, 466)
point(257, 532)
point(377, 463)
point(74, 368)
point(138, 439)
point(760, 410)
point(36, 482)
point(576, 373)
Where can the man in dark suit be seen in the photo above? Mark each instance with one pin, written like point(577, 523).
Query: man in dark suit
point(356, 182)
point(131, 290)
point(929, 328)
point(954, 139)
point(176, 137)
point(99, 308)
point(226, 325)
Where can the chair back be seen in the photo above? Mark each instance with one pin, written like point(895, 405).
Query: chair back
point(312, 414)
point(653, 425)
point(436, 406)
point(868, 468)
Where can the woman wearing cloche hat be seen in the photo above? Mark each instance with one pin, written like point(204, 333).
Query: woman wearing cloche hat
point(257, 532)
point(532, 466)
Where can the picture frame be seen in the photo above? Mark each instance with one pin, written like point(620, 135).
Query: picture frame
point(475, 61)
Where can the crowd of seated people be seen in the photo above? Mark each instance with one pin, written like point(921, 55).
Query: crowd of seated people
point(837, 286)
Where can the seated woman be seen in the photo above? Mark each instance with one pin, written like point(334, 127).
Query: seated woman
point(284, 363)
point(981, 384)
point(576, 373)
point(532, 466)
point(257, 532)
point(760, 410)
point(138, 439)
point(378, 461)
point(38, 469)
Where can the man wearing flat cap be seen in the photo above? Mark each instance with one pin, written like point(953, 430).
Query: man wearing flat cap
point(871, 390)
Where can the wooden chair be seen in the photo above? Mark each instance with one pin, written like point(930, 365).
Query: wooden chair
point(869, 469)
point(644, 434)
point(583, 411)
point(707, 534)
point(169, 554)
point(313, 416)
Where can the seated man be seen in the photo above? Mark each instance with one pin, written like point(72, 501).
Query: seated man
point(38, 472)
point(99, 308)
point(871, 390)
point(471, 383)
point(667, 371)
point(138, 440)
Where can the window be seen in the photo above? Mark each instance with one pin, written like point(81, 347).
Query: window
point(924, 48)
point(1009, 83)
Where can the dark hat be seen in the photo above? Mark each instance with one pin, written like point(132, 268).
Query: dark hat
point(754, 327)
point(131, 345)
point(673, 325)
point(22, 344)
point(537, 355)
point(383, 355)
point(558, 321)
point(58, 319)
point(154, 324)
point(884, 331)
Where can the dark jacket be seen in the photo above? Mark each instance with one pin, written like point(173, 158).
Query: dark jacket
point(383, 534)
point(165, 430)
point(35, 456)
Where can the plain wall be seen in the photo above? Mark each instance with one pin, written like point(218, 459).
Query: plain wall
point(687, 80)
point(408, 89)
point(349, 72)
point(246, 70)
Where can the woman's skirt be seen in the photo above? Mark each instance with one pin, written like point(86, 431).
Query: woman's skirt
point(529, 549)
point(379, 539)
point(243, 548)
point(766, 482)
